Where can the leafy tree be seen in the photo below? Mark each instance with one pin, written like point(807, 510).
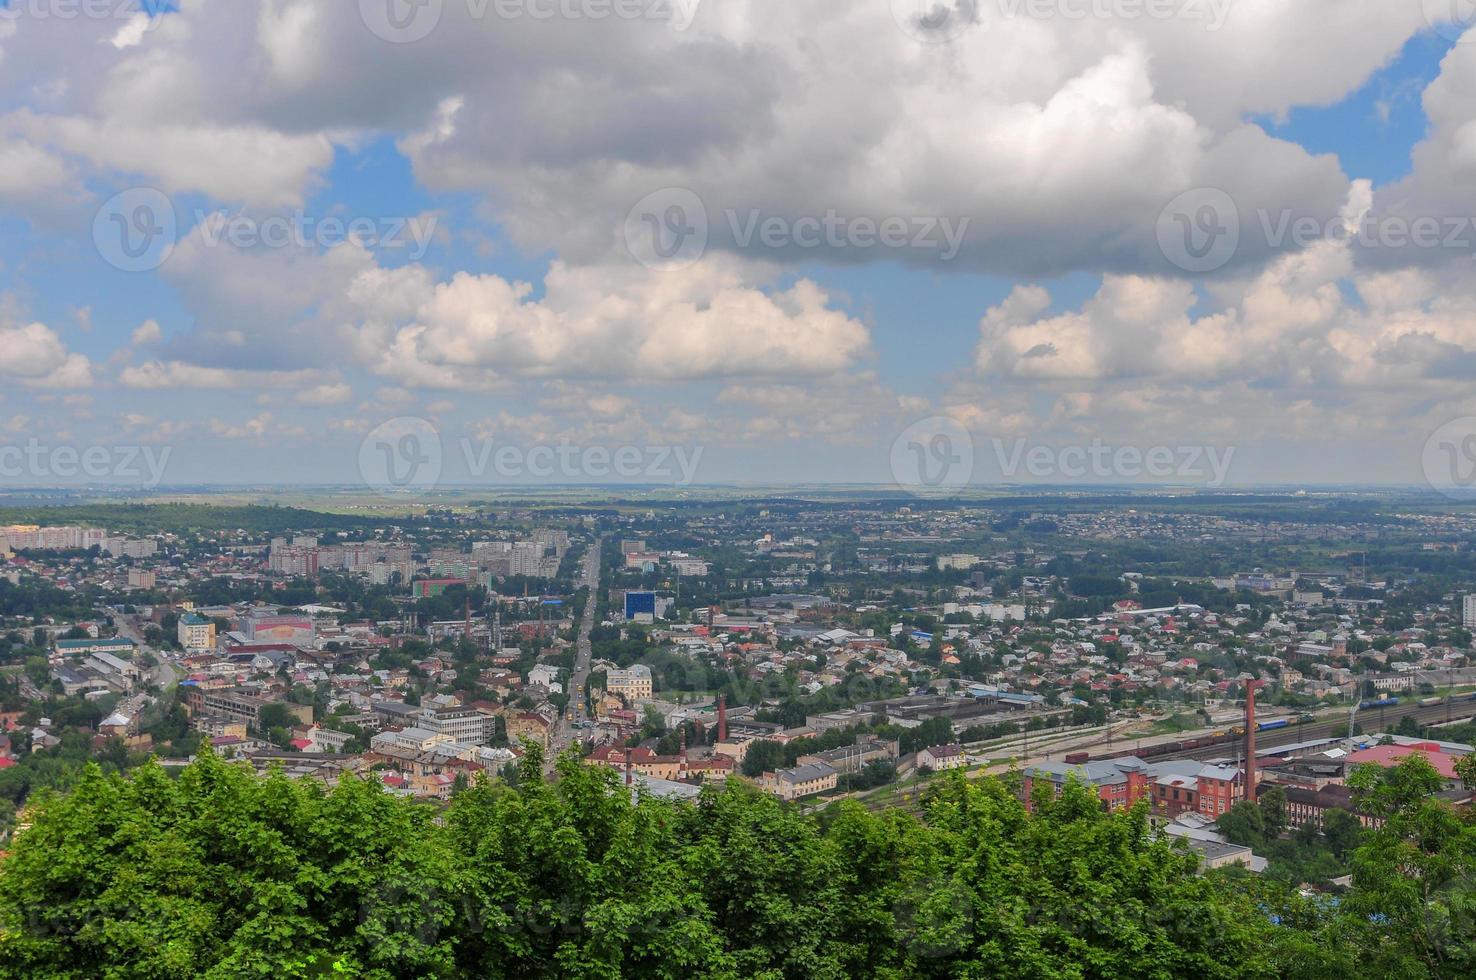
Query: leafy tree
point(1412, 906)
point(221, 873)
point(1272, 802)
point(1243, 824)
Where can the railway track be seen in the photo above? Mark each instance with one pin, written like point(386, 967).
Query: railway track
point(1370, 718)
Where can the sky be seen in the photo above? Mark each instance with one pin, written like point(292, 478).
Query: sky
point(406, 243)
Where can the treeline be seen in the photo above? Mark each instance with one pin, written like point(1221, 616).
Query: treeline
point(187, 518)
point(219, 873)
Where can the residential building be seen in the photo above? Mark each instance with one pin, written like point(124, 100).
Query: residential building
point(941, 757)
point(633, 684)
point(237, 705)
point(196, 632)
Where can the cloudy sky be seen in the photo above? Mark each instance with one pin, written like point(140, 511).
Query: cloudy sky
point(814, 241)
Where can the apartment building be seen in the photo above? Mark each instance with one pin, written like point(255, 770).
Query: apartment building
point(196, 632)
point(233, 704)
point(633, 684)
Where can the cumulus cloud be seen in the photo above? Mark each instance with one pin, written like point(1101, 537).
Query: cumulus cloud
point(1059, 138)
point(34, 355)
point(1312, 347)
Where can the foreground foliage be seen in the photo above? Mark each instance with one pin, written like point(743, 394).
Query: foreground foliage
point(219, 873)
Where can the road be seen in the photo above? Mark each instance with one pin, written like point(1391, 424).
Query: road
point(577, 712)
point(165, 675)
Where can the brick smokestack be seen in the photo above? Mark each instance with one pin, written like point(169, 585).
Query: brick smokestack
point(1250, 740)
point(629, 778)
point(722, 718)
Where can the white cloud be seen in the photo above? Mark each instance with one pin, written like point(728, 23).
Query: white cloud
point(328, 394)
point(177, 374)
point(34, 355)
point(148, 332)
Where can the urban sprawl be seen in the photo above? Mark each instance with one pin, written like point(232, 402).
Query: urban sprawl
point(1232, 671)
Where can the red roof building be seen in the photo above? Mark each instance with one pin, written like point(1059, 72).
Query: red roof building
point(1388, 756)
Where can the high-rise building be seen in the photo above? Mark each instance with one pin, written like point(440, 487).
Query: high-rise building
point(1468, 611)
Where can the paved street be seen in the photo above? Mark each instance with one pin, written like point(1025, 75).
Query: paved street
point(165, 674)
point(578, 712)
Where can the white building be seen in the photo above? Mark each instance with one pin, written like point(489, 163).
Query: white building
point(633, 684)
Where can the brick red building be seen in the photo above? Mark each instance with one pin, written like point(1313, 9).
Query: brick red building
point(1172, 787)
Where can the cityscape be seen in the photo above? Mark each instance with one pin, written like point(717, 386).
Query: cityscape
point(1245, 672)
point(737, 489)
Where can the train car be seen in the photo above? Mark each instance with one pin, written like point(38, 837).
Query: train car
point(1429, 701)
point(1267, 726)
point(1077, 758)
point(1380, 703)
point(1162, 748)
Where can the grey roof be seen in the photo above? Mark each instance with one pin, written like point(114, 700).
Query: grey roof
point(806, 773)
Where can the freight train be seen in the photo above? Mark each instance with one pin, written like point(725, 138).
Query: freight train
point(1164, 748)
